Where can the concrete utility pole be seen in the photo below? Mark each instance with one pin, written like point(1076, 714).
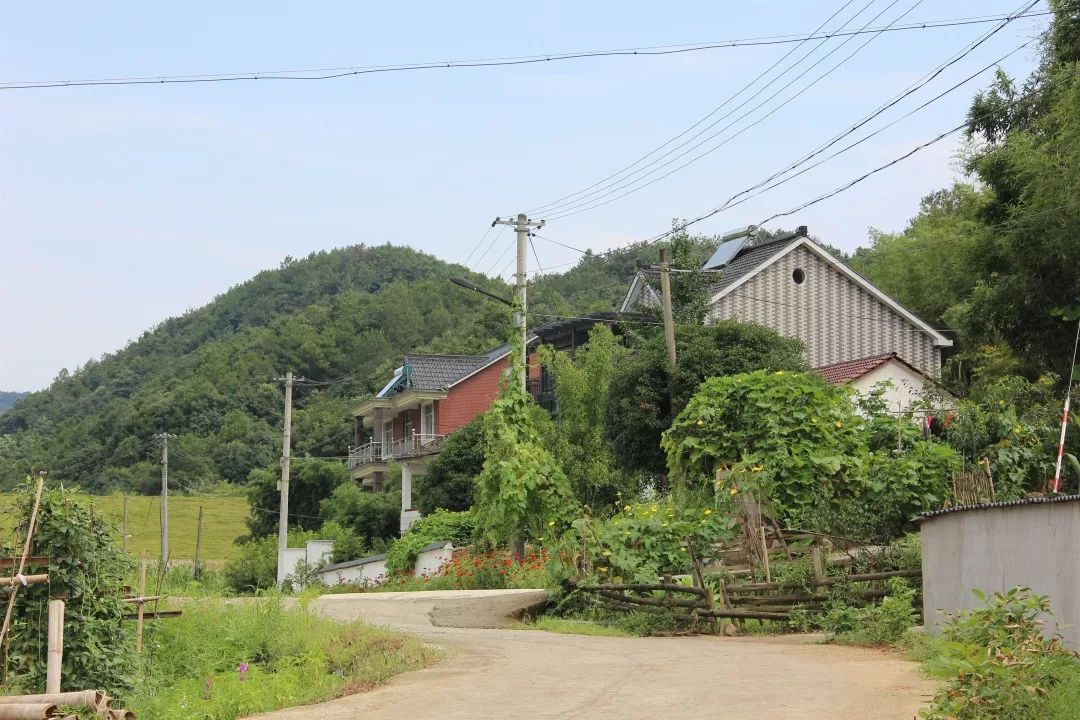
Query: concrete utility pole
point(164, 438)
point(283, 486)
point(522, 226)
point(665, 293)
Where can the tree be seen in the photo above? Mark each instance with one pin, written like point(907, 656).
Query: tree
point(582, 391)
point(449, 480)
point(372, 515)
point(521, 488)
point(311, 482)
point(646, 395)
point(791, 436)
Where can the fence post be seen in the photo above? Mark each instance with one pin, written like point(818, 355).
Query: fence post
point(139, 610)
point(819, 570)
point(56, 646)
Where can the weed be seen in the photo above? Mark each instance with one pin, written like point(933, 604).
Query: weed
point(874, 625)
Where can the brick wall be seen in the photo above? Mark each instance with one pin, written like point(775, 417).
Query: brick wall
point(835, 318)
point(469, 398)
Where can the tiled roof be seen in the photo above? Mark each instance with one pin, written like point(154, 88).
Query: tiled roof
point(842, 372)
point(749, 259)
point(1002, 504)
point(435, 372)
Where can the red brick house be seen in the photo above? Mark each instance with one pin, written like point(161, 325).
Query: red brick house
point(431, 396)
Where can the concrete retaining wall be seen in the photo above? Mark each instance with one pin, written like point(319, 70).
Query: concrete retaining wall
point(996, 548)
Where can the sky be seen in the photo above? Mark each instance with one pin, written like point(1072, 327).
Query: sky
point(121, 206)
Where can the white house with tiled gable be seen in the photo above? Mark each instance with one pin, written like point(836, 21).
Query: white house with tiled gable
point(796, 287)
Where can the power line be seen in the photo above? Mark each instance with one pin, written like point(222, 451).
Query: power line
point(696, 124)
point(956, 57)
point(476, 265)
point(582, 204)
point(340, 72)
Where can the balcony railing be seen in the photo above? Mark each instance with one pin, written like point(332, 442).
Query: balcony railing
point(415, 445)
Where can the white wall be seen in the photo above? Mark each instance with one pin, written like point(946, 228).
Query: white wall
point(371, 573)
point(907, 385)
point(429, 563)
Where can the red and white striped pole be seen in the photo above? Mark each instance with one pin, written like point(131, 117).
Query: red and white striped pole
point(1065, 413)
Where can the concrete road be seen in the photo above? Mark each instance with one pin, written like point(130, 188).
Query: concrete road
point(506, 674)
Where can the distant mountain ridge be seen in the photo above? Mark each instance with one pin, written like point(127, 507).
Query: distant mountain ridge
point(9, 398)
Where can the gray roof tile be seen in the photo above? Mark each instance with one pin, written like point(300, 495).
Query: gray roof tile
point(749, 259)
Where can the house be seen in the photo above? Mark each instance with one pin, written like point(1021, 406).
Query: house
point(431, 396)
point(908, 383)
point(798, 288)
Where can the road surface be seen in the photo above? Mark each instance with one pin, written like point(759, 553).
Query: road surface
point(508, 674)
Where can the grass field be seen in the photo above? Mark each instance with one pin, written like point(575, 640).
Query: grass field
point(223, 522)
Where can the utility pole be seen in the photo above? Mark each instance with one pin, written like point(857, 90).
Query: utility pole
point(522, 225)
point(665, 293)
point(164, 438)
point(283, 486)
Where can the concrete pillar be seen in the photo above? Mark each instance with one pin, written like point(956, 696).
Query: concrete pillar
point(406, 487)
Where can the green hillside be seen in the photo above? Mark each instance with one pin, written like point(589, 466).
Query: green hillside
point(210, 376)
point(7, 399)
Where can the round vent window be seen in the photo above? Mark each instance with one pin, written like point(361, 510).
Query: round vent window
point(798, 276)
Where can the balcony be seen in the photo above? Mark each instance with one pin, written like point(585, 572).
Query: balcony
point(416, 445)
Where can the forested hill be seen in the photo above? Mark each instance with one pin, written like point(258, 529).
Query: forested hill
point(209, 376)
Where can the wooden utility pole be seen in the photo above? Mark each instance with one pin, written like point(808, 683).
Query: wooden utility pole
point(665, 294)
point(139, 610)
point(164, 438)
point(197, 571)
point(522, 226)
point(286, 449)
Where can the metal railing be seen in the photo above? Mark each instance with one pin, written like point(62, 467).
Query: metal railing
point(377, 451)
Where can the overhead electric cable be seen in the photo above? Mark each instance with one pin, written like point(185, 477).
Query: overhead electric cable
point(640, 183)
point(715, 110)
point(340, 72)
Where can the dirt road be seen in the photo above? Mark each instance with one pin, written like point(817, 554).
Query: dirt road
point(505, 674)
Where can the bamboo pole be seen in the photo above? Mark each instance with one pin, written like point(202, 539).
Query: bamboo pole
point(864, 577)
point(646, 587)
point(74, 698)
point(56, 646)
point(652, 602)
point(24, 580)
point(748, 614)
point(139, 611)
point(197, 569)
point(22, 565)
point(27, 711)
point(819, 570)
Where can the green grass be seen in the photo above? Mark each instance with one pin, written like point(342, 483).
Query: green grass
point(223, 522)
point(572, 627)
point(225, 660)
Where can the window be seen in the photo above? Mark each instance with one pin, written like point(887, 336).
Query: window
point(407, 426)
point(798, 276)
point(387, 438)
point(427, 419)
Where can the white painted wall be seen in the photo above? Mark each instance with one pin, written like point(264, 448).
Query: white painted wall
point(431, 561)
point(371, 573)
point(907, 385)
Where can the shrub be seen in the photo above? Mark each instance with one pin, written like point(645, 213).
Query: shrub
point(440, 526)
point(645, 540)
point(256, 566)
point(1002, 664)
point(874, 625)
point(448, 482)
point(371, 515)
point(492, 570)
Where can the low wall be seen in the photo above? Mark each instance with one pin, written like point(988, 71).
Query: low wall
point(372, 570)
point(999, 546)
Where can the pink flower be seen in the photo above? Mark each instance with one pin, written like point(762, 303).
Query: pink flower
point(243, 668)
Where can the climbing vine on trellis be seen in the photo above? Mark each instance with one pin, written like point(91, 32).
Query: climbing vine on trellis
point(87, 570)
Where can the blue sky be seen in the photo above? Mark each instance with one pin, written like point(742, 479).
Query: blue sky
point(121, 206)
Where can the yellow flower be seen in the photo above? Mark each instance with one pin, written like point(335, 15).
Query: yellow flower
point(551, 524)
point(1017, 428)
point(601, 568)
point(540, 539)
point(757, 468)
point(839, 424)
point(734, 491)
point(707, 511)
point(627, 508)
point(813, 420)
point(606, 553)
point(1001, 402)
point(663, 524)
point(779, 372)
point(700, 423)
point(683, 549)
